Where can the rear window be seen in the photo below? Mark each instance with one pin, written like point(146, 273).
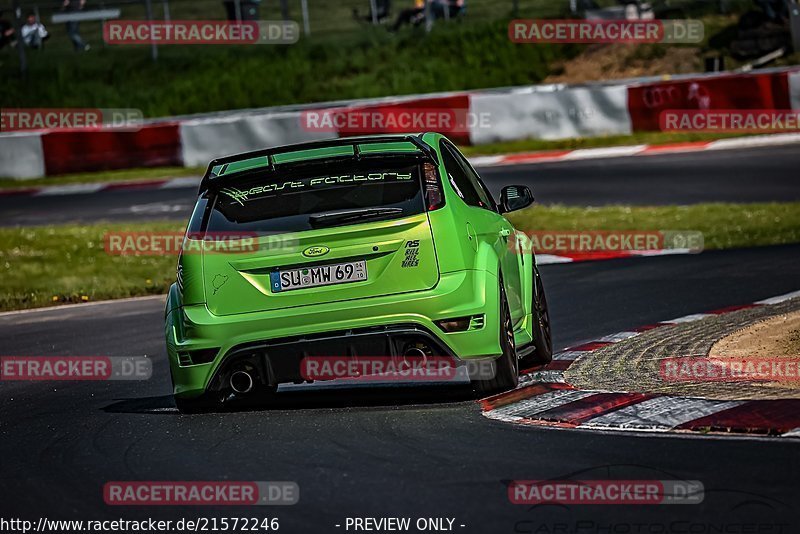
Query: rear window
point(293, 202)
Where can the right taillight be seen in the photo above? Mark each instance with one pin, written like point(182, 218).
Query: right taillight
point(179, 273)
point(434, 196)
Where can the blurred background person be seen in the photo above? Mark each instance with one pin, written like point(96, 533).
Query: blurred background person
point(413, 15)
point(33, 32)
point(6, 32)
point(447, 8)
point(73, 26)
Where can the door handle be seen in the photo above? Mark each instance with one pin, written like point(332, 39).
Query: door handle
point(505, 232)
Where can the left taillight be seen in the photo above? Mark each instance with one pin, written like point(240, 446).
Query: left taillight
point(434, 196)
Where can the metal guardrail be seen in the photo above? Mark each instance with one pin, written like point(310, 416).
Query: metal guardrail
point(84, 16)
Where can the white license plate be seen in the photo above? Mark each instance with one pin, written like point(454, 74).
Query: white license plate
point(321, 275)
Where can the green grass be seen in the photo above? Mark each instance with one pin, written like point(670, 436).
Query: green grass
point(49, 265)
point(723, 225)
point(124, 175)
point(372, 62)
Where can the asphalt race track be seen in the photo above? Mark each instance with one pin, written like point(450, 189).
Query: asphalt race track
point(752, 175)
point(392, 452)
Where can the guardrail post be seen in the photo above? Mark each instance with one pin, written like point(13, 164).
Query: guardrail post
point(148, 7)
point(794, 21)
point(23, 61)
point(373, 7)
point(428, 17)
point(306, 21)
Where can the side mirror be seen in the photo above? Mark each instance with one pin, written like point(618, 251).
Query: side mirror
point(515, 197)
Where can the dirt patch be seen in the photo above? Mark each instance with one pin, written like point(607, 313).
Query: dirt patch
point(637, 364)
point(774, 339)
point(617, 61)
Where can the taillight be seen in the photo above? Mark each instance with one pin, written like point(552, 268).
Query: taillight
point(434, 197)
point(179, 273)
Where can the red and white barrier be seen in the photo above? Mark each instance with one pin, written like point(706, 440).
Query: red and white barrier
point(550, 112)
point(794, 88)
point(538, 112)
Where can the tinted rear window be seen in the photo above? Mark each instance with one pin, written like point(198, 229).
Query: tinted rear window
point(285, 202)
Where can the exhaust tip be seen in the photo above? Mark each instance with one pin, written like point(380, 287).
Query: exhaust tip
point(415, 355)
point(241, 382)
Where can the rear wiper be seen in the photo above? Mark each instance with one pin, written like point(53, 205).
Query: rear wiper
point(341, 216)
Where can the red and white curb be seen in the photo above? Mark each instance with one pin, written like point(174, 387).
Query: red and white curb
point(551, 259)
point(544, 398)
point(549, 156)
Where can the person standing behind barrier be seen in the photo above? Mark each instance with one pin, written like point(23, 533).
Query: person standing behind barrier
point(447, 8)
point(73, 26)
point(33, 32)
point(413, 15)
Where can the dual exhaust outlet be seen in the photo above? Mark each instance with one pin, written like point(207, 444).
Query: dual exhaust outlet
point(242, 382)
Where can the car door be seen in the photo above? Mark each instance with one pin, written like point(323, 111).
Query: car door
point(490, 227)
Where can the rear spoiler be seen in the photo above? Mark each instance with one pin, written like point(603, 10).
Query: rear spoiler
point(355, 142)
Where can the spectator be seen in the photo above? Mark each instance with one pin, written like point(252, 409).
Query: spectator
point(447, 8)
point(6, 32)
point(413, 15)
point(33, 32)
point(776, 10)
point(73, 27)
point(382, 10)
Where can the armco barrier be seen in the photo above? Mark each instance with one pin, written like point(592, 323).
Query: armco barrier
point(205, 139)
point(22, 155)
point(455, 125)
point(153, 145)
point(742, 91)
point(794, 88)
point(557, 113)
point(543, 112)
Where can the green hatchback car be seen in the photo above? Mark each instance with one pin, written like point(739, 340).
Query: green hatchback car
point(349, 247)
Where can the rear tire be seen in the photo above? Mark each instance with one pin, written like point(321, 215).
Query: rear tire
point(506, 374)
point(542, 335)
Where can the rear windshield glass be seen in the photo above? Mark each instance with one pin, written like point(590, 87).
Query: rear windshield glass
point(321, 198)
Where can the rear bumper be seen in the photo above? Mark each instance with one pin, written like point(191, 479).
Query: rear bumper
point(194, 328)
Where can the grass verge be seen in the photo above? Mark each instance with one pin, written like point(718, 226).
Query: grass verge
point(50, 265)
